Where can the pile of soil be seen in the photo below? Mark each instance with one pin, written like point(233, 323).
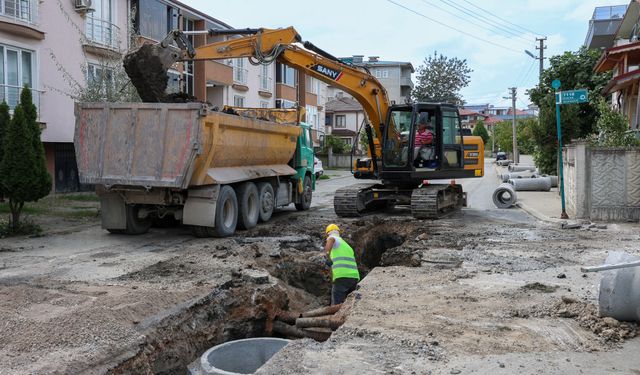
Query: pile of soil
point(147, 73)
point(587, 316)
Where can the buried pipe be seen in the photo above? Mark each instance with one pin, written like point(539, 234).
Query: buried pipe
point(240, 356)
point(531, 184)
point(296, 332)
point(327, 310)
point(325, 321)
point(505, 196)
point(520, 168)
point(287, 316)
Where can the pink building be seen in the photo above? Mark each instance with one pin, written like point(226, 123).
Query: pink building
point(56, 46)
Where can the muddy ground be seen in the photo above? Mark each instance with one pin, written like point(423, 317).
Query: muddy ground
point(481, 291)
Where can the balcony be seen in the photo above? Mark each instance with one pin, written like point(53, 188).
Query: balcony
point(103, 37)
point(20, 17)
point(11, 95)
point(23, 11)
point(603, 26)
point(406, 81)
point(218, 74)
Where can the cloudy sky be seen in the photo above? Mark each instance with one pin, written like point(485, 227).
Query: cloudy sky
point(409, 30)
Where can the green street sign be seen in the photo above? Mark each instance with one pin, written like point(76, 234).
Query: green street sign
point(572, 96)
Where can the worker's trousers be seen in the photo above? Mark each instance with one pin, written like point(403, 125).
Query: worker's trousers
point(341, 289)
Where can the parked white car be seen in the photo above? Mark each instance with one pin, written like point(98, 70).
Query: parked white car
point(317, 167)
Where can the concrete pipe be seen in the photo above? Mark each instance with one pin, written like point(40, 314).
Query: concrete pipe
point(504, 196)
point(531, 184)
point(620, 289)
point(521, 167)
point(554, 181)
point(504, 162)
point(524, 174)
point(240, 356)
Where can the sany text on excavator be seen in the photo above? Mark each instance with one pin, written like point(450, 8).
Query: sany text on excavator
point(398, 167)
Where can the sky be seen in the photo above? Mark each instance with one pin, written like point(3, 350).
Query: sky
point(410, 30)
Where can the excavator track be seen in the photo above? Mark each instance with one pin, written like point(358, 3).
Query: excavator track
point(348, 201)
point(434, 201)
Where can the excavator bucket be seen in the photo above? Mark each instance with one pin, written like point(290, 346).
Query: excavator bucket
point(147, 68)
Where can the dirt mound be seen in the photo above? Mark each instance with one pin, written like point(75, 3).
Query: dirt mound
point(587, 316)
point(147, 73)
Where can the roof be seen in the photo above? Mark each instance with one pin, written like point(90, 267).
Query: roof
point(622, 81)
point(343, 132)
point(201, 14)
point(467, 112)
point(518, 112)
point(349, 60)
point(612, 56)
point(491, 120)
point(343, 105)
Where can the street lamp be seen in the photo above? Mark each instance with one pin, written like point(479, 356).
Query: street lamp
point(531, 54)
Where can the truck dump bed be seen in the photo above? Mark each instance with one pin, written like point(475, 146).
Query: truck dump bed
point(176, 145)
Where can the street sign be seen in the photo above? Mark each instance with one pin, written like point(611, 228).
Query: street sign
point(555, 84)
point(572, 96)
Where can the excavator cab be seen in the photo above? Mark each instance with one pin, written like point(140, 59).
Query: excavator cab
point(435, 151)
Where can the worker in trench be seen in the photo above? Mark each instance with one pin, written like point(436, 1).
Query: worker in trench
point(344, 269)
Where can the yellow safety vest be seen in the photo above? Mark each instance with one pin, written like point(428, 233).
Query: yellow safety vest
point(344, 261)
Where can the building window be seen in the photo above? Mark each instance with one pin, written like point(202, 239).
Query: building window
point(100, 27)
point(312, 116)
point(385, 74)
point(348, 141)
point(173, 83)
point(313, 86)
point(265, 80)
point(16, 71)
point(264, 104)
point(286, 75)
point(23, 10)
point(155, 19)
point(189, 25)
point(238, 101)
point(378, 73)
point(100, 75)
point(284, 103)
point(239, 71)
point(341, 121)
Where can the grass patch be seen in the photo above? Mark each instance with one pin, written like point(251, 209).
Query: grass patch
point(90, 197)
point(26, 228)
point(324, 177)
point(4, 209)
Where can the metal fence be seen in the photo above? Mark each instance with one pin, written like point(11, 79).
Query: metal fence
point(20, 10)
point(11, 95)
point(102, 32)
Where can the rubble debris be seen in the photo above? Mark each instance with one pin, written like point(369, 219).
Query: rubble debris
point(586, 315)
point(566, 225)
point(540, 287)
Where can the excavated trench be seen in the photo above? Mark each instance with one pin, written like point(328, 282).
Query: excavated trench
point(290, 278)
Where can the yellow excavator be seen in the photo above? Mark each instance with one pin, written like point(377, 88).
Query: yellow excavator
point(397, 166)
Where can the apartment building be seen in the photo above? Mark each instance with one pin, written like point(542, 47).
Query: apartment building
point(395, 76)
point(79, 40)
point(294, 88)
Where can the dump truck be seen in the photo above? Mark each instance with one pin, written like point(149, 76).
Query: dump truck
point(213, 170)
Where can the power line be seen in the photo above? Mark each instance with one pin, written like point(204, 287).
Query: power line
point(527, 74)
point(456, 29)
point(500, 18)
point(488, 21)
point(510, 34)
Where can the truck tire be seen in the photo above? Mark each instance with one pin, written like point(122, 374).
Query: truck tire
point(248, 205)
point(307, 194)
point(135, 225)
point(267, 201)
point(226, 212)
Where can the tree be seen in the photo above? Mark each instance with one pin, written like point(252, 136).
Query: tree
point(612, 128)
point(440, 79)
point(503, 134)
point(22, 169)
point(4, 123)
point(480, 131)
point(574, 70)
point(337, 145)
point(42, 185)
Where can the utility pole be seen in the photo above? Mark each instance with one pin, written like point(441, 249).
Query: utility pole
point(541, 48)
point(514, 91)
